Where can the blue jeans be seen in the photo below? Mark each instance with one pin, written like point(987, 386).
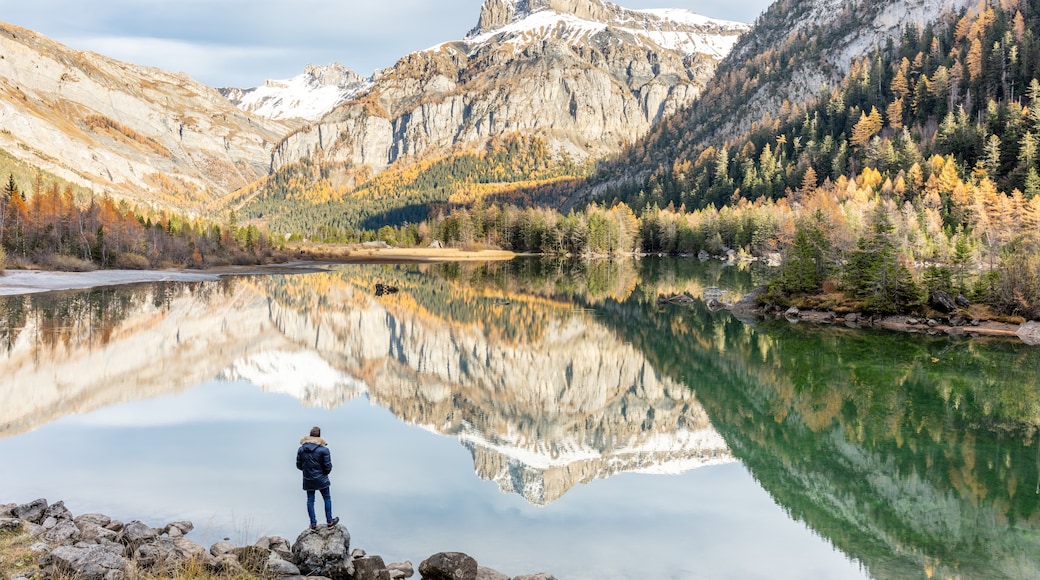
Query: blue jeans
point(327, 496)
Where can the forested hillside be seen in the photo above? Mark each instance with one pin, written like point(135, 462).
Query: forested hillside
point(305, 198)
point(45, 224)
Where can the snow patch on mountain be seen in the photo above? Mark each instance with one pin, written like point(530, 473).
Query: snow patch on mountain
point(670, 28)
point(308, 96)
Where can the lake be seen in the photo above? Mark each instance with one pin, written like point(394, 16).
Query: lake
point(539, 416)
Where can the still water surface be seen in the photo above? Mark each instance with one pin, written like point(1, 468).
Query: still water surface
point(539, 417)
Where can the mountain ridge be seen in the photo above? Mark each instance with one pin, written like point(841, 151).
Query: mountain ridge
point(513, 81)
point(125, 129)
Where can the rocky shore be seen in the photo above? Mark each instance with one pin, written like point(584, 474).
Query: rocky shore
point(97, 547)
point(952, 323)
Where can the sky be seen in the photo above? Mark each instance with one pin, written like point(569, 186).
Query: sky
point(240, 43)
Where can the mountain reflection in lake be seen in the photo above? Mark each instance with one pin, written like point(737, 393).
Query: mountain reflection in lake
point(609, 421)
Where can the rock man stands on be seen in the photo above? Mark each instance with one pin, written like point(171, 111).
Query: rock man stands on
point(315, 461)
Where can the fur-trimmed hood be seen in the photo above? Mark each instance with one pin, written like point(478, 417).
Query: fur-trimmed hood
point(314, 440)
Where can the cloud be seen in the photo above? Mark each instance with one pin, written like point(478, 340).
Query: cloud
point(243, 42)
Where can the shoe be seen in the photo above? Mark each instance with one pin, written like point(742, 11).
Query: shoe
point(333, 522)
point(314, 526)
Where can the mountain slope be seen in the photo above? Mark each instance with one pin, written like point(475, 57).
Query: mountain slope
point(137, 132)
point(796, 53)
point(586, 75)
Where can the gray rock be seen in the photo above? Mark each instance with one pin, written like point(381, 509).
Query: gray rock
point(220, 548)
point(31, 512)
point(538, 576)
point(405, 569)
point(64, 532)
point(93, 532)
point(95, 563)
point(97, 519)
point(961, 301)
point(792, 312)
point(1030, 333)
point(322, 551)
point(370, 568)
point(35, 530)
point(449, 566)
point(176, 529)
point(57, 511)
point(39, 548)
point(276, 544)
point(489, 574)
point(135, 534)
point(12, 525)
point(358, 553)
point(749, 301)
point(7, 510)
point(942, 302)
point(279, 568)
point(115, 526)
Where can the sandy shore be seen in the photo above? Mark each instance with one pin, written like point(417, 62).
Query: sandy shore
point(14, 282)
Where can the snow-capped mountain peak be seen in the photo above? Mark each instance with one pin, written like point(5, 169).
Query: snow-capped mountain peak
point(672, 29)
point(307, 96)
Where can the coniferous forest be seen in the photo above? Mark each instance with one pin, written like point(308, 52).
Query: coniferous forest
point(46, 225)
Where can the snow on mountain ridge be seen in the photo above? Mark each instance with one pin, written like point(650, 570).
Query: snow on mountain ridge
point(307, 96)
point(670, 28)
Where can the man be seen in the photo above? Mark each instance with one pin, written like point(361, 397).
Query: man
point(315, 461)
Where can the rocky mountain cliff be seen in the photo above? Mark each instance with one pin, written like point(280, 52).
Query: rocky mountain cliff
point(307, 96)
point(586, 75)
point(140, 133)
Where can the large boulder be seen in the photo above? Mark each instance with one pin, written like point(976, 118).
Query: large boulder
point(7, 510)
point(449, 566)
point(31, 512)
point(942, 302)
point(324, 551)
point(93, 563)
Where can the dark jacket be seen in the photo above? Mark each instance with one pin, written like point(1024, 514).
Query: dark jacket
point(315, 461)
